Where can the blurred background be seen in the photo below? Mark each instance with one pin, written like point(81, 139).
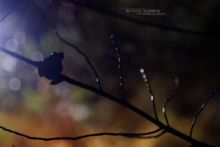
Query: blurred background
point(29, 104)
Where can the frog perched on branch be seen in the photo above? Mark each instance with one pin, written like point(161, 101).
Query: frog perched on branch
point(51, 67)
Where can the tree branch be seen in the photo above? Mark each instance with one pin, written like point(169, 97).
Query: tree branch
point(148, 85)
point(121, 74)
point(140, 22)
point(98, 80)
point(122, 134)
point(202, 109)
point(134, 109)
point(123, 103)
point(8, 13)
point(99, 90)
point(168, 99)
point(72, 45)
point(153, 136)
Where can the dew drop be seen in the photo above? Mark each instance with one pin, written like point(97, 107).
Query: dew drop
point(97, 80)
point(163, 110)
point(142, 70)
point(144, 76)
point(152, 98)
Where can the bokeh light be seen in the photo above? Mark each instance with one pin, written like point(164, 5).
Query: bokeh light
point(14, 84)
point(8, 63)
point(11, 44)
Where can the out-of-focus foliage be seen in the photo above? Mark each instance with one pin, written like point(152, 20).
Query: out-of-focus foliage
point(29, 104)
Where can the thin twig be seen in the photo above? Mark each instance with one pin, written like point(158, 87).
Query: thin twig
point(121, 74)
point(168, 99)
point(77, 49)
point(148, 85)
point(18, 56)
point(153, 136)
point(123, 103)
point(109, 13)
point(98, 80)
point(123, 134)
point(8, 13)
point(202, 107)
point(136, 110)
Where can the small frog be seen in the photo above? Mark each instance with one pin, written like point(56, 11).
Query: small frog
point(51, 67)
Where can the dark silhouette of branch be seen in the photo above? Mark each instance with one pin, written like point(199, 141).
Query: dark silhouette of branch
point(18, 56)
point(8, 13)
point(202, 109)
point(153, 136)
point(123, 103)
point(131, 107)
point(122, 134)
point(72, 45)
point(121, 74)
point(168, 99)
point(139, 22)
point(148, 85)
point(134, 109)
point(98, 80)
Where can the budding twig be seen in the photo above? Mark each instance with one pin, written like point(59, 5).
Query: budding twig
point(123, 103)
point(98, 80)
point(202, 107)
point(121, 74)
point(168, 99)
point(148, 85)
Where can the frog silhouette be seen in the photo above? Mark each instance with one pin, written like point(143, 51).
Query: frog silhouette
point(51, 67)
